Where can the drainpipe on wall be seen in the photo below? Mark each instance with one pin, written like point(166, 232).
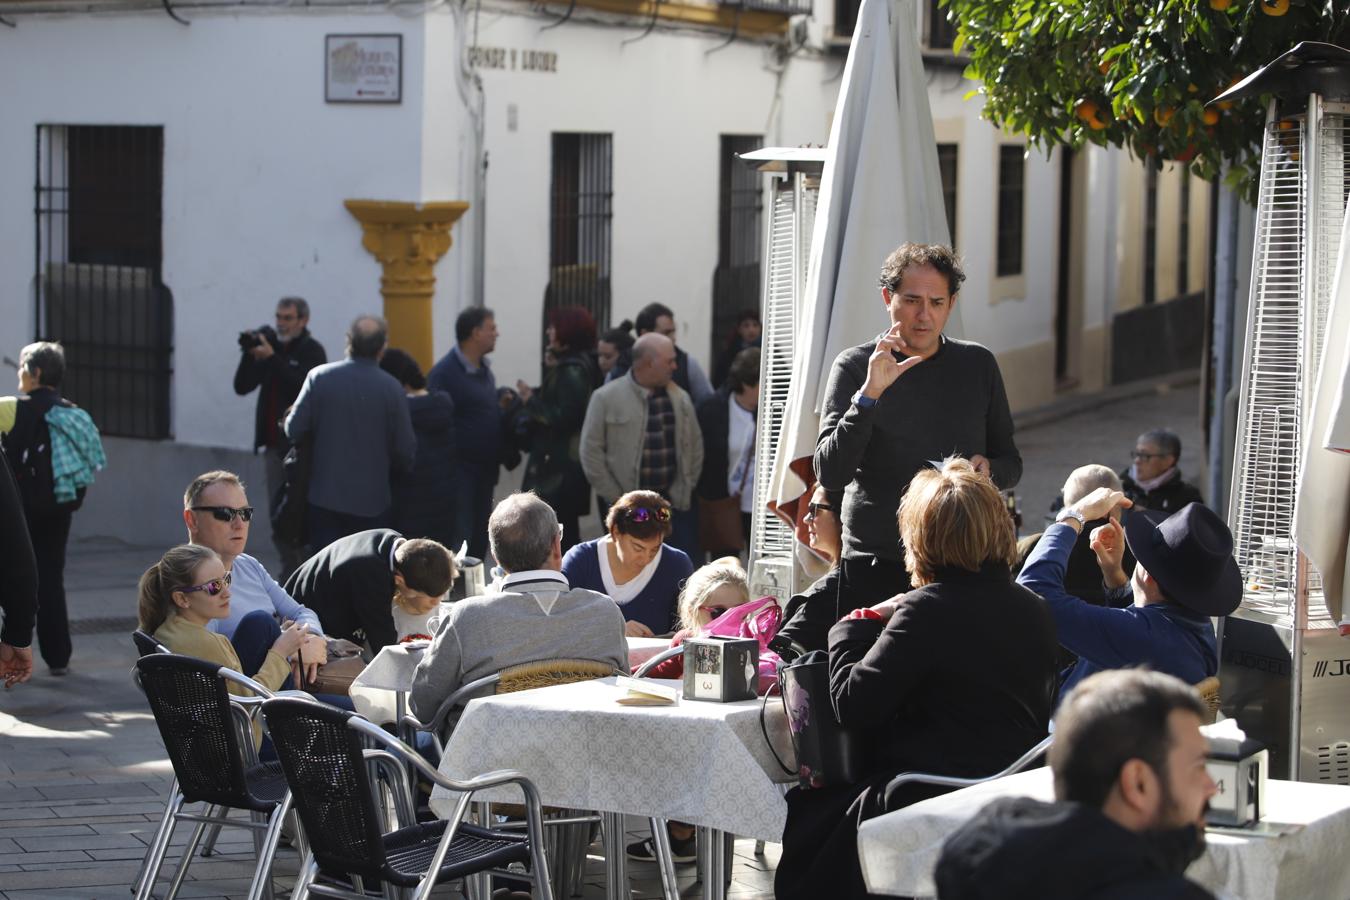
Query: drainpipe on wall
point(471, 94)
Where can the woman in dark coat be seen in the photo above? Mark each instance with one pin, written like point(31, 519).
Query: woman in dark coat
point(553, 415)
point(424, 499)
point(955, 677)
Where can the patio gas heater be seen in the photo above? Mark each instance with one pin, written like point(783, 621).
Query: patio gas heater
point(1281, 652)
point(794, 188)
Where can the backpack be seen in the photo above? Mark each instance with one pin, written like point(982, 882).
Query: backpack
point(28, 447)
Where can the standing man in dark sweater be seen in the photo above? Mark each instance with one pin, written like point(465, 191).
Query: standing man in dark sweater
point(276, 363)
point(900, 403)
point(351, 584)
point(464, 374)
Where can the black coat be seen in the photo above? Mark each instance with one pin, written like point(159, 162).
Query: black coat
point(280, 376)
point(1166, 498)
point(18, 587)
point(350, 586)
point(714, 420)
point(960, 681)
point(1017, 848)
point(424, 499)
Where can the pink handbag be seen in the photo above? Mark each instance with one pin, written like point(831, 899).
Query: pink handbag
point(758, 619)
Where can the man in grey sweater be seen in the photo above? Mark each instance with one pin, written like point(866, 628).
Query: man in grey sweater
point(908, 399)
point(535, 616)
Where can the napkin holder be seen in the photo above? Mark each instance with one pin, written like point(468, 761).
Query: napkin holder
point(470, 581)
point(1239, 771)
point(721, 669)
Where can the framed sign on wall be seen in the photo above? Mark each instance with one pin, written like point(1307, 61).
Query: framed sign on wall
point(363, 68)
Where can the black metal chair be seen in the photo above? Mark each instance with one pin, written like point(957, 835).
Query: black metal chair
point(209, 738)
point(321, 752)
point(146, 643)
point(950, 781)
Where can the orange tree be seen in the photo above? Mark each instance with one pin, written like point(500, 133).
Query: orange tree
point(1137, 73)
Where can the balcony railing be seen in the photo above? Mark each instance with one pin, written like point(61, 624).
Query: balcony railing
point(782, 7)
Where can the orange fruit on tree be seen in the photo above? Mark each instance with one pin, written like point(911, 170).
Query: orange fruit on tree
point(1274, 7)
point(1210, 116)
point(1086, 110)
point(1162, 115)
point(1220, 5)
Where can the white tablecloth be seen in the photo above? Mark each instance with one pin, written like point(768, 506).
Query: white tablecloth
point(699, 762)
point(899, 850)
point(392, 671)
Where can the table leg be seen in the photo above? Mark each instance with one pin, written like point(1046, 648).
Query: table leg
point(665, 860)
point(714, 864)
point(616, 862)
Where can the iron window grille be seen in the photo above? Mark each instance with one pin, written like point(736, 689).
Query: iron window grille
point(941, 29)
point(740, 208)
point(580, 224)
point(1011, 196)
point(98, 271)
point(947, 155)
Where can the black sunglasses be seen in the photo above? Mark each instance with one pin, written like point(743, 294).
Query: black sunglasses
point(814, 509)
point(227, 513)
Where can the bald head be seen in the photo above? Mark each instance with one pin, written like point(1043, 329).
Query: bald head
point(366, 337)
point(653, 360)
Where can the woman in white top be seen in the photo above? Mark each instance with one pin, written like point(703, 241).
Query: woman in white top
point(633, 565)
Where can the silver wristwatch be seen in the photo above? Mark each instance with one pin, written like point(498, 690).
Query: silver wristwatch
point(1071, 513)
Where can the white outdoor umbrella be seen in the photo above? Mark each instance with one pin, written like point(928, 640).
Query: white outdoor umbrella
point(880, 187)
point(1322, 508)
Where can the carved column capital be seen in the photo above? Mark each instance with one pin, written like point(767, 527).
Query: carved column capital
point(407, 239)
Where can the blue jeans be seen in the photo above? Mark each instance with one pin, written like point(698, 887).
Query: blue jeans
point(256, 634)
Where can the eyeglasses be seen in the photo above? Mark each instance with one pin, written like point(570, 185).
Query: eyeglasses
point(212, 587)
point(815, 509)
point(226, 513)
point(1135, 454)
point(642, 514)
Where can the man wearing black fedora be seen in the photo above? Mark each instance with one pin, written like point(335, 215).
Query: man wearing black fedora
point(1185, 573)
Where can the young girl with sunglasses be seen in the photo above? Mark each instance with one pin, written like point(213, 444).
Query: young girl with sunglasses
point(188, 588)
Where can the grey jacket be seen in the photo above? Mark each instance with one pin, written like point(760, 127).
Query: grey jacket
point(362, 431)
point(613, 434)
point(537, 616)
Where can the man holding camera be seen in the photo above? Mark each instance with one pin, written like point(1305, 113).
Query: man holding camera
point(277, 362)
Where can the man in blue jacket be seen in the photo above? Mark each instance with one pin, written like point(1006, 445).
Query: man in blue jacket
point(1184, 575)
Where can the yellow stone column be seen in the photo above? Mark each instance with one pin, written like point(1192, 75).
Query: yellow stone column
point(408, 239)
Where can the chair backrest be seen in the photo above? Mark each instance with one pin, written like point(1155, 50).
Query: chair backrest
point(192, 709)
point(322, 758)
point(548, 672)
point(1209, 693)
point(146, 643)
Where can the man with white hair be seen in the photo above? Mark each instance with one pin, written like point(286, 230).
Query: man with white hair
point(536, 614)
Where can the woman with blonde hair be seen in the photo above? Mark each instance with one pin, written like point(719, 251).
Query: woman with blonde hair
point(955, 677)
point(188, 588)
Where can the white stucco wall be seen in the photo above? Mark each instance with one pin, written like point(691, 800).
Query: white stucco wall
point(256, 166)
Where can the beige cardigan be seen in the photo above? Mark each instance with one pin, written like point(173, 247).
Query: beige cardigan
point(613, 434)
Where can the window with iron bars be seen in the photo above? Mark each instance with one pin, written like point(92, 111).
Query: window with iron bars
point(947, 155)
point(939, 32)
point(580, 221)
point(1011, 199)
point(98, 219)
point(740, 206)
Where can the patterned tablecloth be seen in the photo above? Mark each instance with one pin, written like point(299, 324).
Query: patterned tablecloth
point(392, 670)
point(900, 849)
point(699, 762)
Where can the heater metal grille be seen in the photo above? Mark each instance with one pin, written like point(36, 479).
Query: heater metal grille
point(791, 221)
point(1300, 210)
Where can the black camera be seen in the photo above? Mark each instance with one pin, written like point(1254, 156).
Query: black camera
point(250, 339)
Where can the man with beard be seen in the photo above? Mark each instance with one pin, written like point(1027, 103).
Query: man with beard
point(1131, 790)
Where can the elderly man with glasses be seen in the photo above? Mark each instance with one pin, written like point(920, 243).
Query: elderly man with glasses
point(1154, 480)
point(217, 515)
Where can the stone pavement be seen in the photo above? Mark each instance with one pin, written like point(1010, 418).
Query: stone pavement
point(83, 774)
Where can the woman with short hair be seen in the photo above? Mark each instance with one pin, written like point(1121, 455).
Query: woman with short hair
point(633, 565)
point(955, 677)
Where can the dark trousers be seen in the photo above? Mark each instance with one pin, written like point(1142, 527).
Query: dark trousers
point(49, 532)
point(473, 504)
point(684, 531)
point(291, 555)
point(327, 525)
